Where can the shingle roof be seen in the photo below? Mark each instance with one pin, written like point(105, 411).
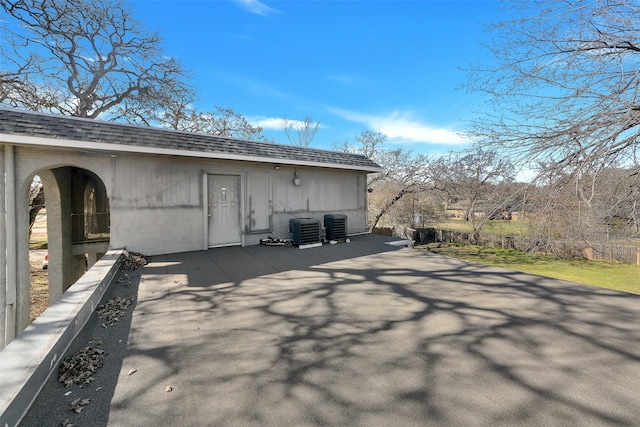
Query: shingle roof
point(124, 137)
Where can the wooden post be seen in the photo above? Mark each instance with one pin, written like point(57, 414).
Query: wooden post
point(588, 253)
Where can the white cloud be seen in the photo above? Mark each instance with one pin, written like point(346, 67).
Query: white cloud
point(267, 123)
point(403, 127)
point(254, 6)
point(526, 175)
point(276, 123)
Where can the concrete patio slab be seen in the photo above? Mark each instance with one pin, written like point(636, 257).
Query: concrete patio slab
point(358, 334)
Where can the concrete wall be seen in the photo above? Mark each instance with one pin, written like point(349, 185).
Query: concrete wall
point(27, 362)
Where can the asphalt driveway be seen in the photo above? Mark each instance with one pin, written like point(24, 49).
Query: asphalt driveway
point(357, 334)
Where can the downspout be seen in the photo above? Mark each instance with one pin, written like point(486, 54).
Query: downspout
point(11, 247)
point(3, 250)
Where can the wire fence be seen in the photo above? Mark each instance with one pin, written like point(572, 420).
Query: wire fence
point(604, 251)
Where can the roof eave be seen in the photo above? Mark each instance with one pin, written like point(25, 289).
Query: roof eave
point(119, 148)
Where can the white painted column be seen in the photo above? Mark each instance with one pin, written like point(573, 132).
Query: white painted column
point(11, 244)
point(3, 251)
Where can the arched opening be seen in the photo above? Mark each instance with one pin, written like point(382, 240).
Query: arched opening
point(38, 253)
point(77, 225)
point(90, 208)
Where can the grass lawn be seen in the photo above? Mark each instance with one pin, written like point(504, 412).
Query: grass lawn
point(610, 275)
point(504, 228)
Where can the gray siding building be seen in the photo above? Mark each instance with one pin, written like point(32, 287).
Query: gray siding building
point(154, 191)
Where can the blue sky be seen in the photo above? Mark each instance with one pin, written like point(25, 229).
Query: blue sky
point(387, 66)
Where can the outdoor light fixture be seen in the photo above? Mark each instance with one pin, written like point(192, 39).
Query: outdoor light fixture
point(277, 167)
point(296, 180)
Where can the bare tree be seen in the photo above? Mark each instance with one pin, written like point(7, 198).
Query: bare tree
point(551, 212)
point(84, 58)
point(372, 145)
point(568, 213)
point(472, 179)
point(177, 112)
point(403, 174)
point(36, 201)
point(221, 122)
point(157, 108)
point(300, 133)
point(563, 82)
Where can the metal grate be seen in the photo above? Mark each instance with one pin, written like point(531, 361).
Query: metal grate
point(305, 231)
point(336, 225)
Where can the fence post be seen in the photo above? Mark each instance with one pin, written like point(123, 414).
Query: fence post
point(638, 256)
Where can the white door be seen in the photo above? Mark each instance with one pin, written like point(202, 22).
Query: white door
point(224, 210)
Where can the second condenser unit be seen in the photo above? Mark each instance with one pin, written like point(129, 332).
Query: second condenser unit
point(336, 225)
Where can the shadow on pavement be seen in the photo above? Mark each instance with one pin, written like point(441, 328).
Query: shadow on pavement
point(368, 334)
